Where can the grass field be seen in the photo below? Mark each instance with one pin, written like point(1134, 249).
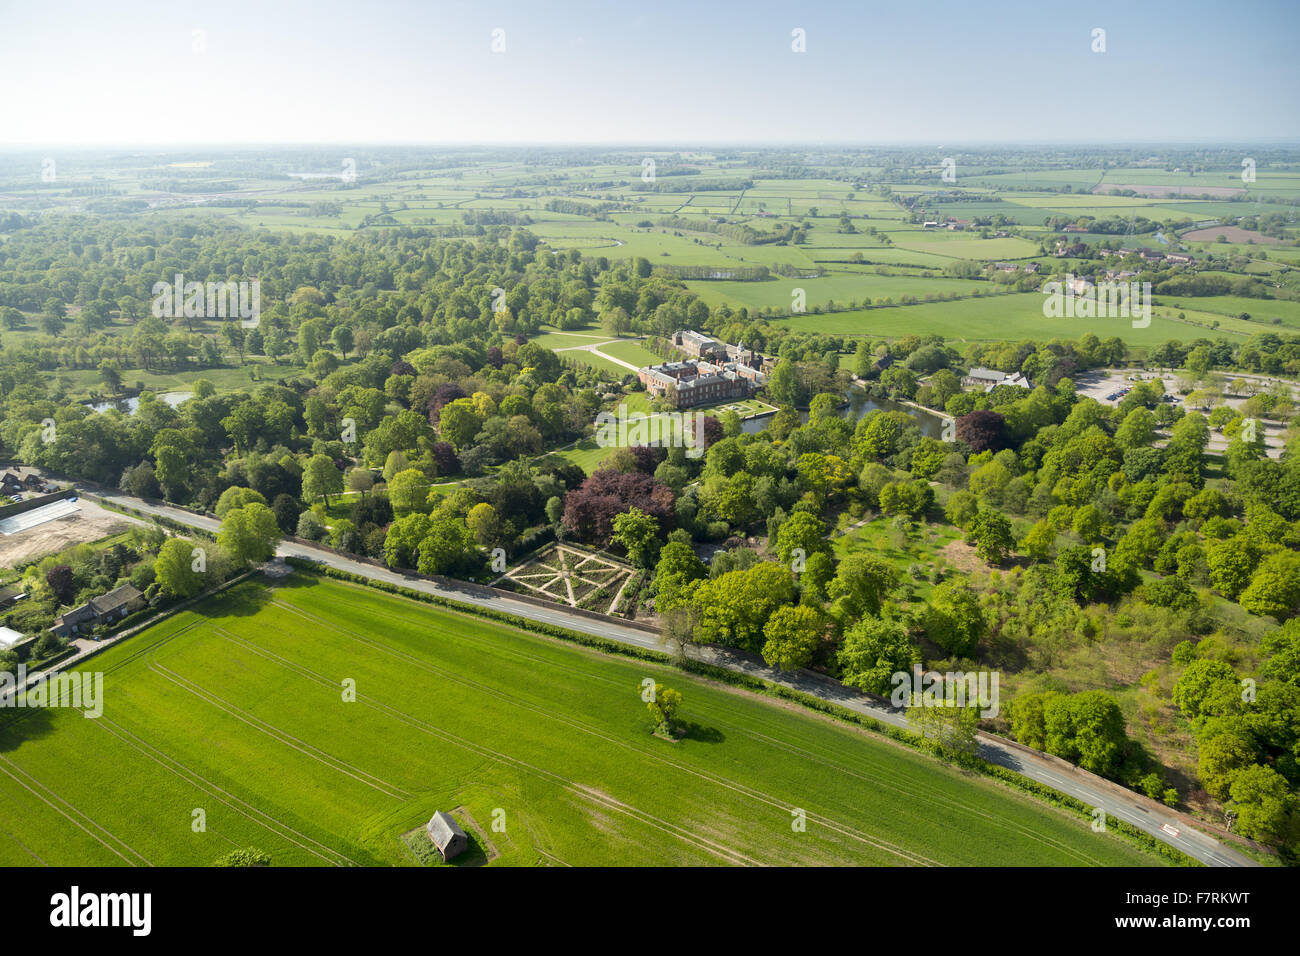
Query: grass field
point(612, 370)
point(1015, 316)
point(840, 286)
point(82, 382)
point(236, 708)
point(1261, 311)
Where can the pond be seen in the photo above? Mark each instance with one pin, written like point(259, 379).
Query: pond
point(930, 423)
point(130, 405)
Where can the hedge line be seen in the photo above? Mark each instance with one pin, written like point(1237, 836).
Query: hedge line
point(189, 531)
point(551, 630)
point(757, 685)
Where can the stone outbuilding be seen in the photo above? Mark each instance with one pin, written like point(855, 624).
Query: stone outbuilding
point(447, 835)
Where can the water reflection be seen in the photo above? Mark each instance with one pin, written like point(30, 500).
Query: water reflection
point(131, 405)
point(930, 423)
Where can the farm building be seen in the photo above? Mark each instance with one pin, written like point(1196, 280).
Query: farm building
point(12, 482)
point(447, 835)
point(987, 379)
point(113, 606)
point(980, 377)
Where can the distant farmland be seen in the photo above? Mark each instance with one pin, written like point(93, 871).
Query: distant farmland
point(1016, 316)
point(1232, 234)
point(237, 709)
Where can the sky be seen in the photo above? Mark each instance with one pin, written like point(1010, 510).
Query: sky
point(707, 72)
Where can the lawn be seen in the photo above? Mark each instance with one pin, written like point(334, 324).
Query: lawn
point(629, 350)
point(586, 454)
point(82, 382)
point(612, 370)
point(238, 709)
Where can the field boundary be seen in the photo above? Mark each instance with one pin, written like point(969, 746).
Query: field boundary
point(472, 587)
point(111, 640)
point(963, 761)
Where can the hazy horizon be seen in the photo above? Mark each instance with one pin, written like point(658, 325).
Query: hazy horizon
point(393, 72)
point(665, 145)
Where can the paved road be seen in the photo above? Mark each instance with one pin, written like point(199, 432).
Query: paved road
point(1145, 815)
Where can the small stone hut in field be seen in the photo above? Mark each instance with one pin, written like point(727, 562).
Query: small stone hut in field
point(447, 835)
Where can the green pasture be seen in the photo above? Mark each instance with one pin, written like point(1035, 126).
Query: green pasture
point(238, 714)
point(1009, 317)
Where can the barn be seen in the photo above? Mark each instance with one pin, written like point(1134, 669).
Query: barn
point(447, 835)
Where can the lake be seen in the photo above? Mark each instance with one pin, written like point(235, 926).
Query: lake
point(930, 423)
point(130, 405)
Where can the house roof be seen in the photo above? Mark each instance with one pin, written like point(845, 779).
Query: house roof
point(699, 338)
point(442, 828)
point(114, 599)
point(987, 373)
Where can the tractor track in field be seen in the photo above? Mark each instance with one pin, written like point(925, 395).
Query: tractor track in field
point(26, 849)
point(751, 793)
point(726, 854)
point(147, 651)
point(945, 802)
point(1143, 814)
point(6, 764)
point(194, 779)
point(282, 737)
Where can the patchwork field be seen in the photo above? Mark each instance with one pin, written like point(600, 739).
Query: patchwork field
point(866, 209)
point(237, 709)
